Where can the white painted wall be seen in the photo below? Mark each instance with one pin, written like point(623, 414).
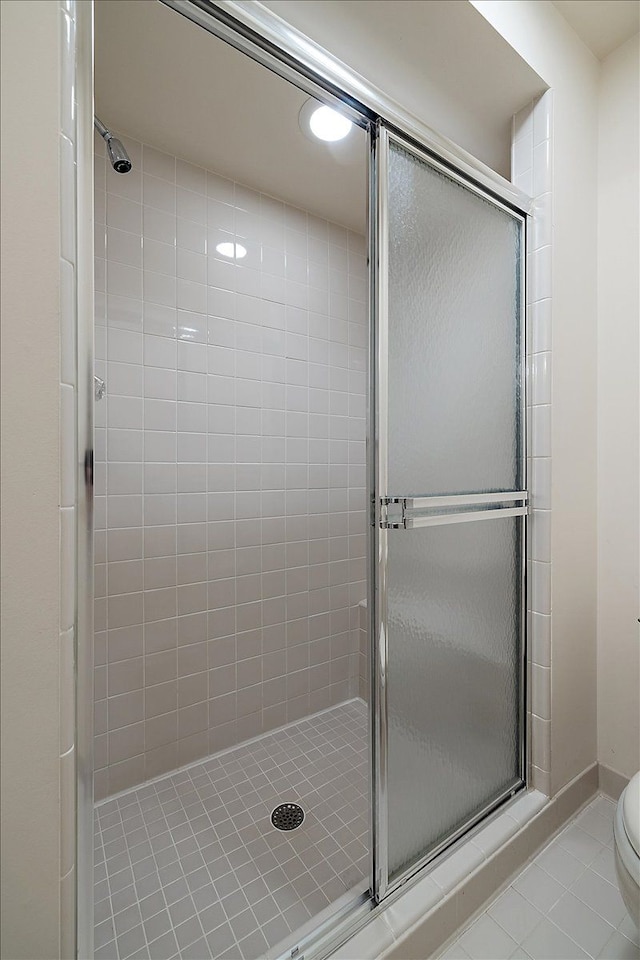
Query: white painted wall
point(618, 421)
point(544, 39)
point(30, 477)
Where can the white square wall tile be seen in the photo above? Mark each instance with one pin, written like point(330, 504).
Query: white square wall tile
point(130, 186)
point(457, 865)
point(413, 905)
point(374, 938)
point(191, 177)
point(124, 214)
point(542, 221)
point(191, 295)
point(542, 167)
point(540, 319)
point(539, 262)
point(541, 431)
point(158, 193)
point(540, 587)
point(541, 743)
point(213, 335)
point(522, 149)
point(541, 483)
point(494, 834)
point(527, 805)
point(159, 257)
point(541, 691)
point(191, 205)
point(540, 366)
point(159, 288)
point(542, 118)
point(523, 123)
point(540, 533)
point(540, 636)
point(158, 164)
point(124, 346)
point(158, 225)
point(523, 179)
point(160, 352)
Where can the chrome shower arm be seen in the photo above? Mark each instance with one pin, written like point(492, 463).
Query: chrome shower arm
point(100, 127)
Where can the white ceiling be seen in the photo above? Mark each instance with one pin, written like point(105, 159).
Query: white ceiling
point(602, 24)
point(165, 81)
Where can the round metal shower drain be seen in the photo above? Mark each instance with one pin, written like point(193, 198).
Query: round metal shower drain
point(287, 816)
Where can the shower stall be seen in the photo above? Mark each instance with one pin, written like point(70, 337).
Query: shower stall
point(310, 494)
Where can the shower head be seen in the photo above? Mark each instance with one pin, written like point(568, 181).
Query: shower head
point(118, 156)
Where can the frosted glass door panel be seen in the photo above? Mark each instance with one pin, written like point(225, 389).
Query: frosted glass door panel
point(453, 678)
point(454, 303)
point(452, 508)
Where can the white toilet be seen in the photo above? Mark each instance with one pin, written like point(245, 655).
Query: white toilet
point(626, 832)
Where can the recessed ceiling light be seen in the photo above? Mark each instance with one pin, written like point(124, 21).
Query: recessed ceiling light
point(323, 123)
point(328, 124)
point(235, 251)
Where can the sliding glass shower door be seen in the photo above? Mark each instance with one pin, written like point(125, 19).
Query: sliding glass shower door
point(449, 491)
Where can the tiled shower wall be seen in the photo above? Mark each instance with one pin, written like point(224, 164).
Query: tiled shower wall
point(230, 465)
point(532, 168)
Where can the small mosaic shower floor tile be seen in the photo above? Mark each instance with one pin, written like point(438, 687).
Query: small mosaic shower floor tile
point(190, 866)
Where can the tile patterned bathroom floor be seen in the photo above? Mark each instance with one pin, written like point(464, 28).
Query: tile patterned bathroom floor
point(189, 866)
point(565, 905)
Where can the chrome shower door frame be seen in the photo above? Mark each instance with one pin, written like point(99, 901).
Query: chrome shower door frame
point(495, 504)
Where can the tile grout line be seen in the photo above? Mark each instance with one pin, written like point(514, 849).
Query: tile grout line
point(179, 800)
point(593, 808)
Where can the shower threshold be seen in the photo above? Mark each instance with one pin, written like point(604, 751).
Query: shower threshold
point(190, 865)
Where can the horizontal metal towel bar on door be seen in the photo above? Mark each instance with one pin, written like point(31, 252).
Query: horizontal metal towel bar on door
point(414, 523)
point(497, 505)
point(460, 500)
